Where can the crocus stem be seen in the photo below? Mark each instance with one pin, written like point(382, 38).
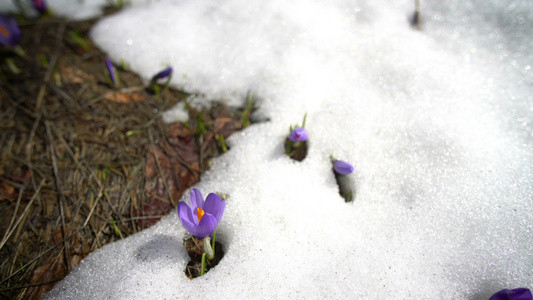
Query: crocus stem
point(213, 242)
point(118, 78)
point(202, 268)
point(207, 248)
point(288, 151)
point(157, 92)
point(165, 86)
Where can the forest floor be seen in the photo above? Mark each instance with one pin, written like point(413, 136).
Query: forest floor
point(82, 163)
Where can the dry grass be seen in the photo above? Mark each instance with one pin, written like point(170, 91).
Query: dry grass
point(77, 167)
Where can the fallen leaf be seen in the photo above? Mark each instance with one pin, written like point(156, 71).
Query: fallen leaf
point(7, 192)
point(126, 97)
point(75, 75)
point(49, 274)
point(179, 130)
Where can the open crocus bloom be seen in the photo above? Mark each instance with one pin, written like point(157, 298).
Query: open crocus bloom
point(342, 167)
point(514, 294)
point(298, 134)
point(9, 31)
point(202, 218)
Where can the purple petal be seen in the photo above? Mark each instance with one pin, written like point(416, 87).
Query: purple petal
point(206, 226)
point(514, 294)
point(184, 212)
point(40, 5)
point(214, 206)
point(9, 31)
point(342, 167)
point(186, 218)
point(111, 70)
point(197, 200)
point(190, 227)
point(298, 134)
point(163, 74)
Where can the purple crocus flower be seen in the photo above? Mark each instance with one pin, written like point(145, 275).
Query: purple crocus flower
point(163, 74)
point(342, 167)
point(9, 31)
point(111, 70)
point(514, 294)
point(202, 218)
point(298, 134)
point(40, 5)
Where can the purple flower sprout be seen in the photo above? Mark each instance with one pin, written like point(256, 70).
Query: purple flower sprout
point(9, 31)
point(298, 134)
point(40, 5)
point(514, 294)
point(111, 70)
point(202, 218)
point(163, 74)
point(342, 167)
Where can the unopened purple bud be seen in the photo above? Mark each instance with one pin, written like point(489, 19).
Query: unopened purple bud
point(111, 70)
point(9, 31)
point(514, 294)
point(40, 5)
point(298, 134)
point(342, 167)
point(163, 74)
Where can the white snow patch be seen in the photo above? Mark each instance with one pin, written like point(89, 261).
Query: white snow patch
point(437, 123)
point(177, 113)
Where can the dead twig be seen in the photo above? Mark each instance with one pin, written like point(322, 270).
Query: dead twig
point(21, 191)
point(93, 207)
point(61, 197)
point(22, 268)
point(159, 165)
point(8, 234)
point(31, 285)
point(49, 70)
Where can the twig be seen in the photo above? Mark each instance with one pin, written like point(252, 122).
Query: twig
point(200, 141)
point(30, 167)
point(91, 172)
point(94, 206)
point(8, 234)
point(73, 156)
point(29, 145)
point(65, 96)
point(145, 218)
point(37, 113)
point(180, 159)
point(159, 166)
point(17, 105)
point(92, 175)
point(13, 183)
point(61, 197)
point(102, 97)
point(50, 69)
point(35, 259)
point(31, 285)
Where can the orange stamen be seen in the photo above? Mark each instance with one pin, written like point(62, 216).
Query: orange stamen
point(4, 31)
point(200, 213)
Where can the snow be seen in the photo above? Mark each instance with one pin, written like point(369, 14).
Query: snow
point(178, 113)
point(438, 124)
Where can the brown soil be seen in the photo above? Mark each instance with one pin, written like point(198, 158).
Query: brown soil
point(83, 164)
point(295, 150)
point(195, 250)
